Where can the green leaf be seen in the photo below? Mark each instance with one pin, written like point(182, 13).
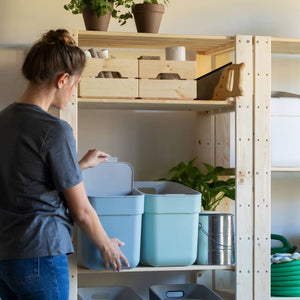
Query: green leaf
point(208, 167)
point(101, 7)
point(213, 189)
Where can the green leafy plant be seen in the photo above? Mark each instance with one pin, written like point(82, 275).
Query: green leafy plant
point(101, 7)
point(212, 188)
point(129, 15)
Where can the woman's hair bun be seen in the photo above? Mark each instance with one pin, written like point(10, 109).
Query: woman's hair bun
point(62, 35)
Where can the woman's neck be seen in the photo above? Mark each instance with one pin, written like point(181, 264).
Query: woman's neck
point(37, 95)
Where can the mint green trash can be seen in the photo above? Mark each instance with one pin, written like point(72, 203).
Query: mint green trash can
point(169, 223)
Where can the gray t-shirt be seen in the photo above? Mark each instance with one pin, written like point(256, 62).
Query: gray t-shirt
point(38, 161)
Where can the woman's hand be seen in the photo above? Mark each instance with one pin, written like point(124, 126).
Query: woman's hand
point(92, 158)
point(112, 254)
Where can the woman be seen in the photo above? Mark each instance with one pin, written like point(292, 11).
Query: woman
point(41, 188)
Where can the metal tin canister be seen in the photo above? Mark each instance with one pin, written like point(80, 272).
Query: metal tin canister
point(215, 239)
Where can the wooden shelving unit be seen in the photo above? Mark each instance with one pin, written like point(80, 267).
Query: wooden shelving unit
point(252, 149)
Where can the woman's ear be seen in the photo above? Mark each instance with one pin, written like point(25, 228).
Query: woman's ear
point(62, 79)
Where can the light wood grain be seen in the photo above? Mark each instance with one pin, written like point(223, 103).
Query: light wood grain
point(262, 166)
point(285, 45)
point(159, 269)
point(167, 89)
point(151, 69)
point(285, 169)
point(151, 104)
point(198, 43)
point(230, 83)
point(244, 180)
point(126, 67)
point(108, 88)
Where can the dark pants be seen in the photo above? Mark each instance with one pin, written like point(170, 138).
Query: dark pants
point(41, 278)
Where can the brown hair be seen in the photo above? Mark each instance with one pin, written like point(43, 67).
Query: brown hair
point(56, 52)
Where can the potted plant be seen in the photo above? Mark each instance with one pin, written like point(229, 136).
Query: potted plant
point(97, 13)
point(147, 15)
point(212, 188)
point(216, 231)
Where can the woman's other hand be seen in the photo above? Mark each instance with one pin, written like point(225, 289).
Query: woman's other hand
point(92, 158)
point(112, 254)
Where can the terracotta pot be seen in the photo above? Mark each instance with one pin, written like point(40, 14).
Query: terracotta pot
point(148, 16)
point(92, 22)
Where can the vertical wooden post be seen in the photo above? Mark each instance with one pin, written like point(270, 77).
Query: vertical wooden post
point(244, 174)
point(262, 166)
point(69, 114)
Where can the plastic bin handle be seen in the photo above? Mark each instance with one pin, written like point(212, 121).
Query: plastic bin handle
point(175, 294)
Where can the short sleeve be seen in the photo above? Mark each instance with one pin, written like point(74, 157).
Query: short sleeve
point(60, 153)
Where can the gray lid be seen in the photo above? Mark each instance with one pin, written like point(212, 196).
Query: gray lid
point(109, 179)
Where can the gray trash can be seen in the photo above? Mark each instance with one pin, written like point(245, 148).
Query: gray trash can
point(119, 206)
point(182, 292)
point(108, 293)
point(169, 223)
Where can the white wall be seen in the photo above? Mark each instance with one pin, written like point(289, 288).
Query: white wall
point(22, 22)
point(152, 142)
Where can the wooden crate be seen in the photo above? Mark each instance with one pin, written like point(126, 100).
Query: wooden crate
point(167, 89)
point(124, 87)
point(108, 88)
point(151, 86)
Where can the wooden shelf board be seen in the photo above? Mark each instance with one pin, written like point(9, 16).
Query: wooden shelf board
point(285, 169)
point(159, 269)
point(285, 45)
point(204, 44)
point(138, 104)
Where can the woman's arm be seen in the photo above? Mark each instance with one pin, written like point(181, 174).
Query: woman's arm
point(86, 218)
point(92, 158)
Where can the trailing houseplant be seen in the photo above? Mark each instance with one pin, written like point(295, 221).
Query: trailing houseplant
point(212, 188)
point(100, 9)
